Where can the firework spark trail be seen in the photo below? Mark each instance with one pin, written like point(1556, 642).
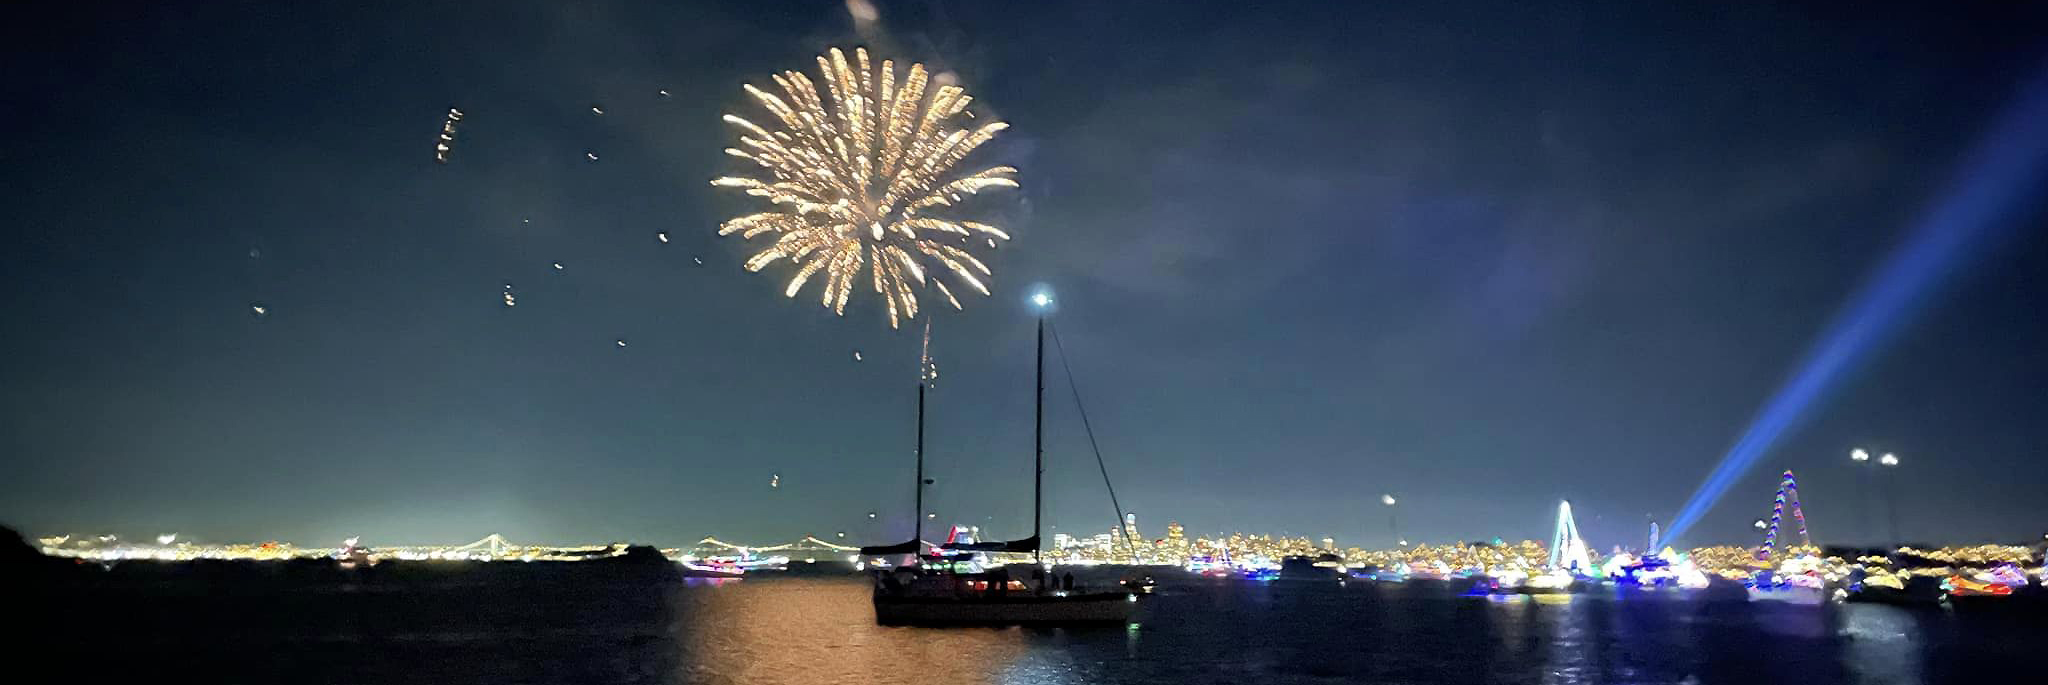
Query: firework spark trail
point(447, 143)
point(927, 370)
point(850, 175)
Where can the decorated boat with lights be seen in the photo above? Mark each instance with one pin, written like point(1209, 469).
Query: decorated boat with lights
point(2003, 589)
point(1796, 576)
point(954, 584)
point(1655, 569)
point(1795, 588)
point(1569, 559)
point(1549, 583)
point(1879, 585)
point(728, 567)
point(1210, 567)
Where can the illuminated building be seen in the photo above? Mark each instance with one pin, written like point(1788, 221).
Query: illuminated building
point(1174, 549)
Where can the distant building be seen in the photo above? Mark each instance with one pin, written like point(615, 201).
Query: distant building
point(1175, 549)
point(1134, 543)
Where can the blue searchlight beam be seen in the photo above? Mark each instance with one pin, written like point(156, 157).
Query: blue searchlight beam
point(2003, 171)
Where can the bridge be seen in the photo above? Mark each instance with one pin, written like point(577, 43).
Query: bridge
point(495, 546)
point(807, 549)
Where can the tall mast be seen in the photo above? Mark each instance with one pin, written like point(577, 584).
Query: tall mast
point(925, 373)
point(1038, 447)
point(917, 516)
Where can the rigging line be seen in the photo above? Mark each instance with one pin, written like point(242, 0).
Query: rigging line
point(1086, 426)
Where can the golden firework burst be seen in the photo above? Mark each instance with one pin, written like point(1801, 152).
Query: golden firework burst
point(853, 174)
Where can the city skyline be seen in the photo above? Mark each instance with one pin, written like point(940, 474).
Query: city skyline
point(1111, 539)
point(1238, 552)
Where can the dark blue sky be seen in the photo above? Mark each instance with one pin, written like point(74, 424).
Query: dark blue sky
point(1482, 257)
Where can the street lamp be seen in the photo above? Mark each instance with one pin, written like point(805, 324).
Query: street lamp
point(1891, 495)
point(1891, 506)
point(1861, 456)
point(1393, 519)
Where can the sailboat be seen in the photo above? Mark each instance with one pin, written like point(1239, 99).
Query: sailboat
point(947, 587)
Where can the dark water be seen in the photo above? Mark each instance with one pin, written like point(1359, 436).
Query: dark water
point(795, 630)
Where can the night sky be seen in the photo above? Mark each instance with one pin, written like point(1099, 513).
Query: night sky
point(1482, 258)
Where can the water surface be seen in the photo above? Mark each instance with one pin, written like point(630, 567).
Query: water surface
point(821, 630)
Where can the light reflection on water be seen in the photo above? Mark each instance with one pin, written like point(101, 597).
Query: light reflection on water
point(792, 631)
point(1882, 645)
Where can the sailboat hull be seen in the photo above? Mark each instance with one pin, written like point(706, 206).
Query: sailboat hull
point(1108, 607)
